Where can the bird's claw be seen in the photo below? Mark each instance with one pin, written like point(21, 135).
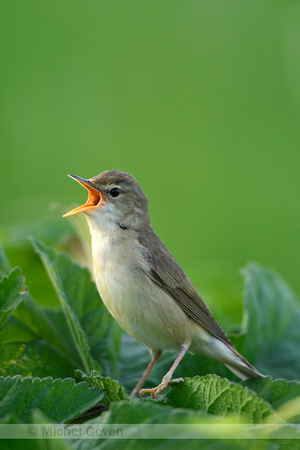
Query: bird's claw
point(158, 389)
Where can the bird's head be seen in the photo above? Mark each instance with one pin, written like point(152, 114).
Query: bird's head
point(114, 198)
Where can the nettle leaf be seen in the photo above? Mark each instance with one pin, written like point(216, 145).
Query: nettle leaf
point(116, 391)
point(30, 343)
point(137, 418)
point(57, 317)
point(61, 400)
point(46, 327)
point(214, 395)
point(271, 338)
point(12, 292)
point(275, 392)
point(79, 337)
point(24, 352)
point(91, 324)
point(143, 411)
point(59, 443)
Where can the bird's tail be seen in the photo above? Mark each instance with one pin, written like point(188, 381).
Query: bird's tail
point(224, 351)
point(241, 367)
point(245, 374)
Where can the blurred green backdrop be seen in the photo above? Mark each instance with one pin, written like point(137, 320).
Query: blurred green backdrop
point(199, 100)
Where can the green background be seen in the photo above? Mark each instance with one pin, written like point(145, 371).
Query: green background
point(199, 100)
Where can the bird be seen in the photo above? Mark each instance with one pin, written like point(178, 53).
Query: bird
point(143, 286)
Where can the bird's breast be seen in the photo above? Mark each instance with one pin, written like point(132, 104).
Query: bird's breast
point(140, 306)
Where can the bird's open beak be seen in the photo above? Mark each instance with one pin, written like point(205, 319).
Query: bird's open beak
point(93, 200)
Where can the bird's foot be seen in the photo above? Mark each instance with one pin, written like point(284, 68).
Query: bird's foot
point(158, 389)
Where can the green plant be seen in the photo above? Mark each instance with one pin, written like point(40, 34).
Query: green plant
point(57, 364)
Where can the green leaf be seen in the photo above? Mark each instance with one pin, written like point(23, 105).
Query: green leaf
point(275, 392)
point(31, 345)
point(271, 338)
point(79, 337)
point(12, 293)
point(79, 297)
point(4, 263)
point(61, 400)
point(53, 232)
point(46, 326)
point(143, 411)
point(57, 318)
point(47, 444)
point(24, 352)
point(115, 390)
point(137, 418)
point(214, 395)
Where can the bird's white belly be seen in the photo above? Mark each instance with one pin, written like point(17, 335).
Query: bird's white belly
point(140, 306)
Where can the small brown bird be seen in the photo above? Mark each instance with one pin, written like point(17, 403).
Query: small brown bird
point(143, 286)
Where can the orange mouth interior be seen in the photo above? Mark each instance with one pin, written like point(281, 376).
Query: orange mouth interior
point(93, 200)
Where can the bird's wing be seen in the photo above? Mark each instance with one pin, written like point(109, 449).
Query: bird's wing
point(167, 273)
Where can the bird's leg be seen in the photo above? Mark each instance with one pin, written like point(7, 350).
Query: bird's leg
point(167, 379)
point(155, 356)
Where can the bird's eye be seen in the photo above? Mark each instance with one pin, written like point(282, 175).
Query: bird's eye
point(115, 192)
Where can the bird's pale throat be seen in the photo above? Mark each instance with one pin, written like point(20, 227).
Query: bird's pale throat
point(94, 198)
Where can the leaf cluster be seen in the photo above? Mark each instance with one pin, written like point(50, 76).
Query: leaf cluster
point(59, 364)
